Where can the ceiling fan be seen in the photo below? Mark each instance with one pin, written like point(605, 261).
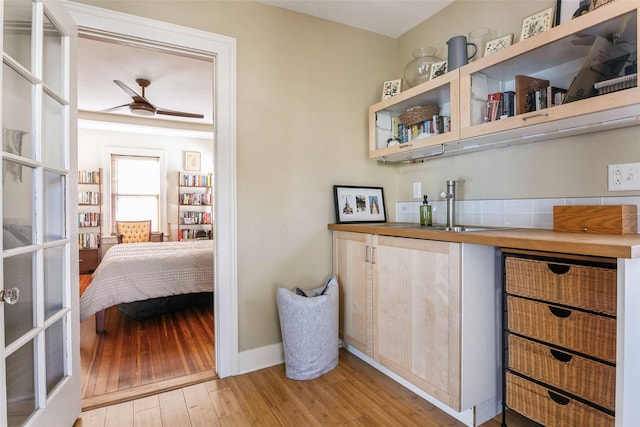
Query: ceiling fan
point(143, 107)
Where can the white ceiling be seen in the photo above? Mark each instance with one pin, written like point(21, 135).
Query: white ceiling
point(177, 82)
point(186, 83)
point(387, 17)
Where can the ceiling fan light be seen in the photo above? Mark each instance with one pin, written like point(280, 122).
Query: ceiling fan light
point(143, 110)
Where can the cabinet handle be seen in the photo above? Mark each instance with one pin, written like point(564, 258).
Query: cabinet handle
point(562, 357)
point(366, 253)
point(535, 115)
point(373, 255)
point(560, 312)
point(560, 400)
point(406, 145)
point(558, 268)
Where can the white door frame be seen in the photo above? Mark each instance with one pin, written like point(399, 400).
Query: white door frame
point(116, 25)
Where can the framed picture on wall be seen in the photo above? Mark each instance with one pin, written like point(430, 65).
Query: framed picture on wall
point(191, 161)
point(358, 204)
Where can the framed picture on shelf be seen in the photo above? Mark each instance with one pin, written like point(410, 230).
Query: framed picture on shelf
point(537, 23)
point(391, 88)
point(438, 69)
point(498, 44)
point(359, 204)
point(191, 161)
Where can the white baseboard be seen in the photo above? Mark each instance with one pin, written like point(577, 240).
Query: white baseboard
point(260, 358)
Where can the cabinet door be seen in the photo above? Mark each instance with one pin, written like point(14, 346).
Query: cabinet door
point(352, 267)
point(417, 301)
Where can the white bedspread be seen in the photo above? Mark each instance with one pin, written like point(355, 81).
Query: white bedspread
point(139, 271)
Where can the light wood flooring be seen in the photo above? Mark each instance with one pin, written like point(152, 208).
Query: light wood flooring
point(353, 394)
point(138, 358)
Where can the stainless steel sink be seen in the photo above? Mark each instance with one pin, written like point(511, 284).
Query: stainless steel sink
point(456, 229)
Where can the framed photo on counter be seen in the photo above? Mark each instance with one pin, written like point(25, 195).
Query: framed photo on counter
point(359, 204)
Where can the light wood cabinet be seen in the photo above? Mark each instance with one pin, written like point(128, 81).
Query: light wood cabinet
point(556, 55)
point(352, 267)
point(426, 310)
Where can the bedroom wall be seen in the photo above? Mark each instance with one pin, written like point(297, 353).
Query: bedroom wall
point(303, 89)
point(92, 142)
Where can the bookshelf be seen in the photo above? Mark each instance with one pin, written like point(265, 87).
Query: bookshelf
point(89, 219)
point(195, 206)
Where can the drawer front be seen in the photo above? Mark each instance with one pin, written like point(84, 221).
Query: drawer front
point(590, 288)
point(551, 409)
point(575, 330)
point(588, 379)
point(88, 260)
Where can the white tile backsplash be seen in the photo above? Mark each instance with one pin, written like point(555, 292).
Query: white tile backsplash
point(521, 213)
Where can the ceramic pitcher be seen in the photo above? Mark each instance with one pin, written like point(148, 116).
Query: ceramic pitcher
point(457, 52)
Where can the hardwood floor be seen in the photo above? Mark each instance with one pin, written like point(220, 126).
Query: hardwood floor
point(138, 358)
point(353, 394)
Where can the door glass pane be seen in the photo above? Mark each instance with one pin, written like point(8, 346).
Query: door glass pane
point(53, 280)
point(18, 318)
point(20, 385)
point(16, 114)
point(17, 199)
point(54, 197)
point(54, 347)
point(53, 60)
point(52, 135)
point(17, 31)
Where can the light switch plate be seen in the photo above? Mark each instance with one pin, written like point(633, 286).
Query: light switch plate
point(417, 190)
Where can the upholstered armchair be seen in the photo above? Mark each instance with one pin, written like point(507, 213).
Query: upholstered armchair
point(133, 231)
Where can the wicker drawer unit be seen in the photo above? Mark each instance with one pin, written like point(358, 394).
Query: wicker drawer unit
point(583, 377)
point(549, 408)
point(560, 352)
point(575, 330)
point(590, 288)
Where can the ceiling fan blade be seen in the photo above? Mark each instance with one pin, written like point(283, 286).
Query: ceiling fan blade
point(115, 108)
point(179, 113)
point(133, 94)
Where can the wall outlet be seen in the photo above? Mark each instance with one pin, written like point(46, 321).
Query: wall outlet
point(624, 177)
point(417, 190)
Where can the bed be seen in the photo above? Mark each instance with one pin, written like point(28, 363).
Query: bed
point(145, 271)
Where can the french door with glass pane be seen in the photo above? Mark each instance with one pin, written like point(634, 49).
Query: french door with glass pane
point(39, 350)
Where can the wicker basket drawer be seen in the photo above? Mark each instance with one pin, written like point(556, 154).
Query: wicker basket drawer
point(591, 380)
point(551, 409)
point(591, 288)
point(586, 333)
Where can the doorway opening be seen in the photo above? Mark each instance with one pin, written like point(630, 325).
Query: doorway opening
point(133, 357)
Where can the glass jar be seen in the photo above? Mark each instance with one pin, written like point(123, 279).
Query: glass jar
point(417, 70)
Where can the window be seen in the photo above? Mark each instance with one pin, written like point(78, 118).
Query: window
point(135, 189)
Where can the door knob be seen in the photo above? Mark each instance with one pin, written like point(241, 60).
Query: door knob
point(10, 296)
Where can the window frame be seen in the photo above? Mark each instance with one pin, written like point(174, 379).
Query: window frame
point(107, 195)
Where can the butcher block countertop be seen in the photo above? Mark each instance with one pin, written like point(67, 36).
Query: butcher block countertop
point(613, 246)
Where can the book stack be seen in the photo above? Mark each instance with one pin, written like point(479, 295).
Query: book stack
point(533, 94)
point(437, 125)
point(619, 83)
point(499, 105)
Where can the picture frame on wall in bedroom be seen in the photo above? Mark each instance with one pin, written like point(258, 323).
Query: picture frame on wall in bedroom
point(359, 204)
point(191, 161)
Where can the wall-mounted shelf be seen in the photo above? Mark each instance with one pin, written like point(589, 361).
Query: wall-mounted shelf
point(557, 55)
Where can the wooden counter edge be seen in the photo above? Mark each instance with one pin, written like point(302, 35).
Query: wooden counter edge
point(614, 246)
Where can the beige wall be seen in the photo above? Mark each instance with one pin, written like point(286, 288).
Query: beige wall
point(569, 167)
point(303, 89)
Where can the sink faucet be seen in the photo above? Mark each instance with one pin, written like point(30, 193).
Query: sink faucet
point(450, 196)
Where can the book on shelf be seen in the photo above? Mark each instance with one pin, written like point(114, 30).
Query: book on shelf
point(88, 177)
point(616, 84)
point(525, 85)
point(89, 240)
